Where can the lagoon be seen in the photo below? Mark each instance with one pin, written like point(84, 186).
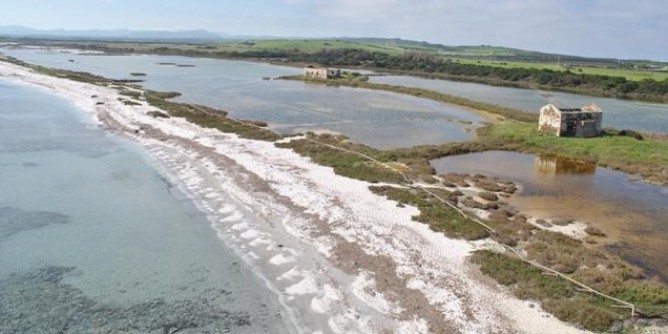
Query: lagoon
point(632, 213)
point(620, 114)
point(376, 118)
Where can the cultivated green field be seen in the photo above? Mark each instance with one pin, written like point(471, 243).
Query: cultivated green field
point(484, 55)
point(301, 45)
point(311, 45)
point(629, 74)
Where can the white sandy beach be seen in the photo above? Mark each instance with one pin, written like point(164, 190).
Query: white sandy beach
point(340, 259)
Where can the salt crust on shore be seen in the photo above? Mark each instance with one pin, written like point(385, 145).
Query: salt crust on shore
point(295, 255)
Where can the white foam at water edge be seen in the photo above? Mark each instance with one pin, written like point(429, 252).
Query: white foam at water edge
point(292, 274)
point(324, 245)
point(322, 303)
point(212, 195)
point(240, 227)
point(291, 225)
point(281, 259)
point(252, 256)
point(350, 322)
point(226, 208)
point(261, 242)
point(250, 234)
point(233, 218)
point(308, 285)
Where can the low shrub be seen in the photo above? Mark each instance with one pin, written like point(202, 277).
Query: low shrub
point(439, 217)
point(591, 230)
point(488, 196)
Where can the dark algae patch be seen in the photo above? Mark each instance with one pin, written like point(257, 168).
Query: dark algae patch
point(14, 221)
point(40, 302)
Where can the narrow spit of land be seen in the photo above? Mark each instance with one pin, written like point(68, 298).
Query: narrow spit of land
point(440, 200)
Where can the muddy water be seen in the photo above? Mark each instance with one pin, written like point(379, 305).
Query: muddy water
point(632, 213)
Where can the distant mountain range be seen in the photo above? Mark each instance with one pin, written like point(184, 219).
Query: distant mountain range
point(273, 42)
point(204, 35)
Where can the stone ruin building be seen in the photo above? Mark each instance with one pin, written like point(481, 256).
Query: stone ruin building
point(582, 122)
point(312, 72)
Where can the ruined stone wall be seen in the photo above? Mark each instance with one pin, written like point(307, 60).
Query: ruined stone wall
point(316, 73)
point(581, 125)
point(574, 122)
point(333, 72)
point(550, 121)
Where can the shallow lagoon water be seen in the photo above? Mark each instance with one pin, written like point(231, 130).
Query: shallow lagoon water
point(634, 214)
point(376, 118)
point(621, 114)
point(93, 239)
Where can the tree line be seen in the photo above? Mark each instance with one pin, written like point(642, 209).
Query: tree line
point(429, 64)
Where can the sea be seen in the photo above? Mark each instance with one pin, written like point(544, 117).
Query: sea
point(95, 239)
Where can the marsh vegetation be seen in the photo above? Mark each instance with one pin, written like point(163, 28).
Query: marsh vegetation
point(410, 180)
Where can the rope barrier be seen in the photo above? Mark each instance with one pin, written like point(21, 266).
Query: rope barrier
point(414, 185)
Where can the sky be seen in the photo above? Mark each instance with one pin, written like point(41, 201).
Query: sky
point(628, 29)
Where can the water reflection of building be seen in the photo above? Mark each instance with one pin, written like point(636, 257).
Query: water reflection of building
point(550, 166)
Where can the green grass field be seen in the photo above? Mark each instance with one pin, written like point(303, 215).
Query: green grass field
point(648, 157)
point(635, 75)
point(484, 55)
point(303, 45)
point(310, 45)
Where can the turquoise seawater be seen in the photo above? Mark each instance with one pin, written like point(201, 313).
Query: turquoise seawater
point(93, 239)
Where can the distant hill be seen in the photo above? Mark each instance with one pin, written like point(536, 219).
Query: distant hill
point(495, 52)
point(120, 34)
point(483, 54)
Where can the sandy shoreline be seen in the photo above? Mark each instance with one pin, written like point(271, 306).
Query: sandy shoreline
point(340, 259)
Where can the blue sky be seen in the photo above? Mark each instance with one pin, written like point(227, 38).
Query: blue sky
point(607, 28)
